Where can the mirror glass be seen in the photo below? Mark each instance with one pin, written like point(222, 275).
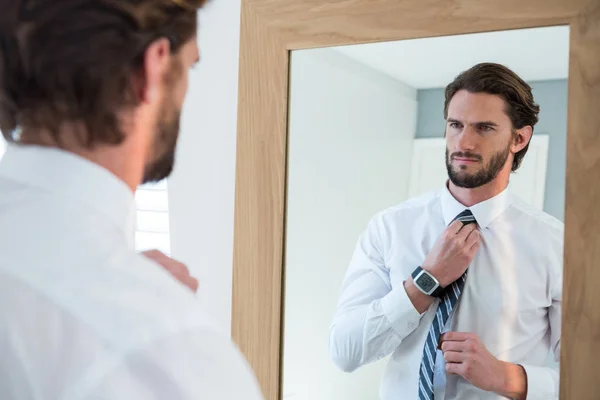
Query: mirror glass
point(378, 277)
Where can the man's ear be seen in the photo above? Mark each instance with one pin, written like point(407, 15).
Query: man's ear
point(148, 81)
point(521, 138)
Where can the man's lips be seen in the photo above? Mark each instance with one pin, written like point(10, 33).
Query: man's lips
point(466, 160)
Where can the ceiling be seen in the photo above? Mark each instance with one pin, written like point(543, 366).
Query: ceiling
point(535, 54)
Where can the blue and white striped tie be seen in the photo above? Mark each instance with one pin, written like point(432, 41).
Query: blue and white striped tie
point(443, 312)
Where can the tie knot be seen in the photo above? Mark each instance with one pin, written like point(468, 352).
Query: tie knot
point(466, 217)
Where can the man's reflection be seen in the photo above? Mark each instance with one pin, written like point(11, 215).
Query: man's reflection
point(461, 286)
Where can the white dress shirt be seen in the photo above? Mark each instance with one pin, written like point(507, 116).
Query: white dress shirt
point(82, 315)
point(511, 299)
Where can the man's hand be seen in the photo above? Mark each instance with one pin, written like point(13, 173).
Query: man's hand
point(453, 252)
point(447, 261)
point(466, 356)
point(175, 268)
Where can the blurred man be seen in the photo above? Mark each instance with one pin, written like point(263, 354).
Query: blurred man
point(90, 99)
point(462, 286)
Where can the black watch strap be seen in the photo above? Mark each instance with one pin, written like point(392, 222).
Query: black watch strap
point(438, 292)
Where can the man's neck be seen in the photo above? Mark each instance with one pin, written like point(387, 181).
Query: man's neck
point(469, 197)
point(117, 160)
point(124, 161)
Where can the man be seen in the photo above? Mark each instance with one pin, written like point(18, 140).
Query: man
point(472, 241)
point(94, 89)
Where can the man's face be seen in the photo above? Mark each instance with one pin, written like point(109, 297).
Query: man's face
point(479, 139)
point(166, 133)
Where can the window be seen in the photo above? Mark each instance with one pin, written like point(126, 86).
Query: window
point(152, 216)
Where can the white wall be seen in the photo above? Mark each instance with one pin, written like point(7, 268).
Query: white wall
point(351, 134)
point(201, 190)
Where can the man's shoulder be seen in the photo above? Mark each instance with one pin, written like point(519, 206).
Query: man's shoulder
point(146, 301)
point(540, 220)
point(410, 208)
point(119, 296)
point(153, 317)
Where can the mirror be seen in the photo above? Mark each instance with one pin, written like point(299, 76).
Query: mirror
point(367, 201)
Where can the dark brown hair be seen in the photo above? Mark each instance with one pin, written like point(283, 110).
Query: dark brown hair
point(73, 60)
point(498, 80)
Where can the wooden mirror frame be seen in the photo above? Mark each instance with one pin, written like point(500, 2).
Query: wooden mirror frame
point(270, 29)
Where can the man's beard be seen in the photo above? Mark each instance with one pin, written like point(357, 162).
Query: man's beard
point(165, 145)
point(485, 175)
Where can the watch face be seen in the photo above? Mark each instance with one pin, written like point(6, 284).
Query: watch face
point(426, 283)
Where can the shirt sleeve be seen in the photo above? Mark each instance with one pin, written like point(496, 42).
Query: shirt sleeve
point(543, 382)
point(184, 366)
point(372, 317)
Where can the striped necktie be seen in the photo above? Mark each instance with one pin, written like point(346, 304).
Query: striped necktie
point(443, 312)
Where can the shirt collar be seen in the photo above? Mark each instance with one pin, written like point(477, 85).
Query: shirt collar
point(484, 212)
point(70, 175)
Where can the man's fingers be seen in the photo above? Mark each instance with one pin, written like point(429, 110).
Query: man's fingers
point(177, 269)
point(454, 356)
point(157, 256)
point(185, 278)
point(473, 238)
point(457, 336)
point(466, 231)
point(454, 368)
point(448, 345)
point(182, 273)
point(473, 249)
point(192, 283)
point(166, 261)
point(454, 227)
point(153, 254)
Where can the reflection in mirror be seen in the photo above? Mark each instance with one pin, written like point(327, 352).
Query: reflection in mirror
point(385, 296)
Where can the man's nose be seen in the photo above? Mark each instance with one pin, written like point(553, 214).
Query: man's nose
point(468, 139)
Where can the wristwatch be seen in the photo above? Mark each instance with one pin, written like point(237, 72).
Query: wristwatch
point(427, 283)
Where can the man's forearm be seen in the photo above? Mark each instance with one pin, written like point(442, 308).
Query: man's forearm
point(514, 382)
point(371, 331)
